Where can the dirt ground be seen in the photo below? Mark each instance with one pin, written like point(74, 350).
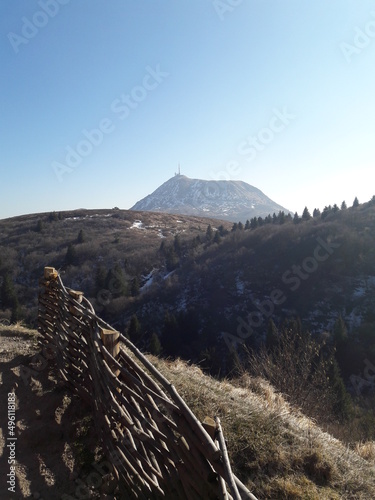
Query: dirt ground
point(56, 452)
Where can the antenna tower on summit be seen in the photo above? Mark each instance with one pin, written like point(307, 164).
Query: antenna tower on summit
point(179, 170)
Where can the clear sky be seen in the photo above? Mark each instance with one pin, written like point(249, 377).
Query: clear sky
point(101, 100)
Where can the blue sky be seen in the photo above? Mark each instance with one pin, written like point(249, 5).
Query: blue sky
point(101, 100)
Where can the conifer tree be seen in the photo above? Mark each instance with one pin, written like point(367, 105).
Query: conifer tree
point(316, 212)
point(355, 202)
point(342, 403)
point(8, 293)
point(306, 214)
point(100, 278)
point(217, 237)
point(81, 237)
point(134, 329)
point(155, 345)
point(340, 332)
point(254, 223)
point(343, 205)
point(71, 255)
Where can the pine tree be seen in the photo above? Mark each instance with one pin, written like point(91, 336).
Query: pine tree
point(154, 345)
point(71, 256)
point(267, 220)
point(209, 233)
point(217, 237)
point(16, 312)
point(254, 223)
point(326, 211)
point(8, 293)
point(316, 212)
point(100, 278)
point(134, 329)
point(355, 202)
point(81, 237)
point(281, 217)
point(306, 214)
point(171, 335)
point(340, 332)
point(39, 226)
point(116, 281)
point(222, 231)
point(342, 404)
point(247, 224)
point(296, 219)
point(343, 205)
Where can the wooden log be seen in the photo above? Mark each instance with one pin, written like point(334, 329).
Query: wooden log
point(76, 295)
point(111, 341)
point(50, 273)
point(227, 468)
point(210, 426)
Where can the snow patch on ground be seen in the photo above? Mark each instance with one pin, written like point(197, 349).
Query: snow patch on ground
point(137, 224)
point(148, 279)
point(240, 285)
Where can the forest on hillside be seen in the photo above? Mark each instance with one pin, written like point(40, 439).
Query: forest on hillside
point(218, 293)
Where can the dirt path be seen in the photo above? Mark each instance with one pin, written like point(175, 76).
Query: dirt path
point(56, 455)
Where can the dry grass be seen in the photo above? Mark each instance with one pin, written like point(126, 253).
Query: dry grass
point(273, 447)
point(366, 451)
point(17, 330)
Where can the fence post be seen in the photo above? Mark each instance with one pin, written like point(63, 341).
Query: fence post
point(111, 341)
point(50, 273)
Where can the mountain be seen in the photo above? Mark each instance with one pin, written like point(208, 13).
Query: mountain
point(227, 200)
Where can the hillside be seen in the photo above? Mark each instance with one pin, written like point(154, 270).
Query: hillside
point(225, 200)
point(274, 449)
point(206, 290)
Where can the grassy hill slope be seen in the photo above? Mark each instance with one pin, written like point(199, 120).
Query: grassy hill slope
point(274, 449)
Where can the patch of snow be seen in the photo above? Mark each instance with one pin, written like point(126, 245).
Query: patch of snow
point(138, 224)
point(166, 276)
point(148, 279)
point(240, 285)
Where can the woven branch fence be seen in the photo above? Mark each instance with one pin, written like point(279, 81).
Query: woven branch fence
point(155, 444)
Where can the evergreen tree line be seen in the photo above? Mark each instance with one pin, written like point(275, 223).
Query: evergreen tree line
point(283, 218)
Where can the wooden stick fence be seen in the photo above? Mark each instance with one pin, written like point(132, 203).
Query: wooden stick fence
point(157, 447)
